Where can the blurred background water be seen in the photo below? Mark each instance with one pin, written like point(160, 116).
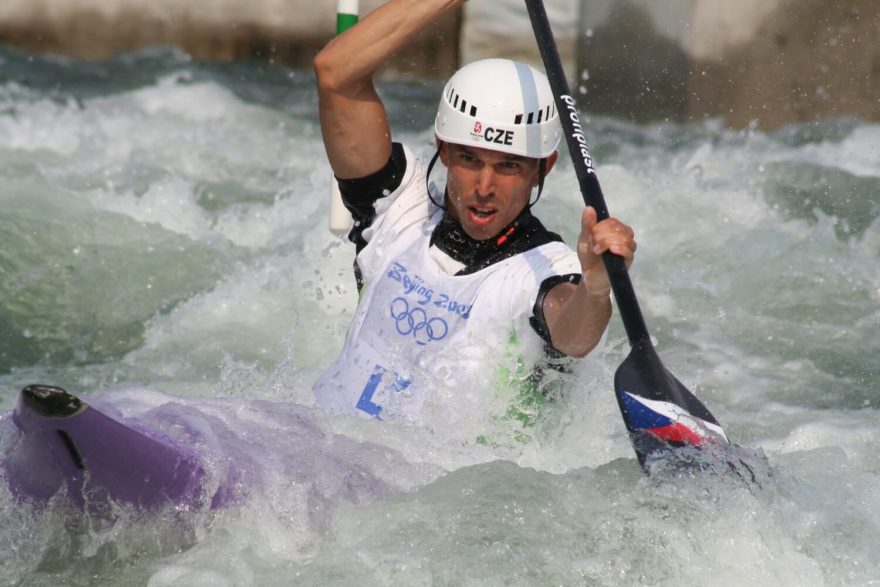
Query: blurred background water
point(164, 250)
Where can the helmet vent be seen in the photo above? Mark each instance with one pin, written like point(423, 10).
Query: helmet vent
point(536, 117)
point(460, 104)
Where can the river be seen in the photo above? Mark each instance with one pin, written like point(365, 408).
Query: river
point(164, 250)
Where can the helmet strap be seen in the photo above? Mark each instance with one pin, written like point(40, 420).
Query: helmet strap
point(428, 179)
point(542, 172)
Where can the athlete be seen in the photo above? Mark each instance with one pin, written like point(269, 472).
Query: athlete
point(456, 280)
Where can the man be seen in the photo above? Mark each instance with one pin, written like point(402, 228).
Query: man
point(452, 280)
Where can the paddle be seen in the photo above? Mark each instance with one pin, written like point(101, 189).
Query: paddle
point(660, 413)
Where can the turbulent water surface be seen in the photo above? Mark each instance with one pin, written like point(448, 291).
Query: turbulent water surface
point(164, 250)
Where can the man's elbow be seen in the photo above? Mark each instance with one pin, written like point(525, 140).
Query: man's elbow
point(323, 65)
point(575, 350)
point(580, 353)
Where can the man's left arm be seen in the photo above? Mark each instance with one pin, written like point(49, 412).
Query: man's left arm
point(577, 315)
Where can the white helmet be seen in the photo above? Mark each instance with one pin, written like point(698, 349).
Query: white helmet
point(501, 105)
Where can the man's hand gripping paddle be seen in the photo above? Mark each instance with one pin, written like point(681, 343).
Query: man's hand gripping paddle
point(660, 413)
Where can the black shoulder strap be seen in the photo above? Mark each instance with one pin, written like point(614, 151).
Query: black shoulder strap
point(360, 194)
point(537, 319)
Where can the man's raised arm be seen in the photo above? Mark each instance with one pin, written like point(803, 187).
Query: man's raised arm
point(354, 123)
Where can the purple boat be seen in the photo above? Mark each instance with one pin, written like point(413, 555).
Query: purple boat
point(66, 445)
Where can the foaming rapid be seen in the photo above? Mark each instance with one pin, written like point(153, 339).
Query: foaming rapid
point(165, 255)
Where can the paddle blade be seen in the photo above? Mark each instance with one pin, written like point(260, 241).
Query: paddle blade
point(660, 413)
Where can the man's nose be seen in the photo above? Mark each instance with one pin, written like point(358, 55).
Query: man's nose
point(486, 181)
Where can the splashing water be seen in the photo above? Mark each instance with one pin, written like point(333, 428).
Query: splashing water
point(165, 255)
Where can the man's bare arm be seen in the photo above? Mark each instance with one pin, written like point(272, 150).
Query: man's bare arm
point(354, 122)
point(577, 315)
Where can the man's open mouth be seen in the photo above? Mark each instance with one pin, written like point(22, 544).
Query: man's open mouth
point(481, 215)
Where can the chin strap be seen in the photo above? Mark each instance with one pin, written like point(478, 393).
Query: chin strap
point(542, 172)
point(428, 179)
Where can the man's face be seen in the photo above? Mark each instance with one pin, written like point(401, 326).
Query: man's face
point(487, 189)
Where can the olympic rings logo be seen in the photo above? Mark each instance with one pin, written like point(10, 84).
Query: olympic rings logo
point(415, 322)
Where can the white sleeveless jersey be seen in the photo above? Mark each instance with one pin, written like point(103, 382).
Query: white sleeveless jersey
point(417, 326)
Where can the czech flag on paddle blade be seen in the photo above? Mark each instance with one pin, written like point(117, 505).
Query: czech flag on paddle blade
point(669, 422)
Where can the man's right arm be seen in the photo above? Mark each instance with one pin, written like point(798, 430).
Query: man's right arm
point(354, 123)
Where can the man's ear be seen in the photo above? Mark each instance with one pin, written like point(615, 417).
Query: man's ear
point(551, 161)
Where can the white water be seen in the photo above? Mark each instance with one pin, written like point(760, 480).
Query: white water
point(165, 255)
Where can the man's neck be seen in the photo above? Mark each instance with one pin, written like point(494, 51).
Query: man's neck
point(524, 233)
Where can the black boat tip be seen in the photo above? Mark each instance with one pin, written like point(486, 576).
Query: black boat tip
point(51, 401)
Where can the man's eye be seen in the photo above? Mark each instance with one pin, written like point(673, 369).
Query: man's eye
point(509, 167)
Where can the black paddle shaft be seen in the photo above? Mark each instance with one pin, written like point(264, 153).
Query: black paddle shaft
point(642, 374)
point(621, 285)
